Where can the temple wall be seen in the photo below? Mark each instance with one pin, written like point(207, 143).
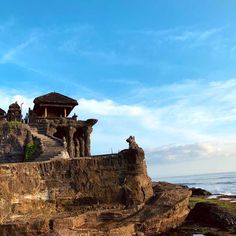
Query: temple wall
point(39, 187)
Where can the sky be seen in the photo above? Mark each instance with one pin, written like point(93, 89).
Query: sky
point(161, 70)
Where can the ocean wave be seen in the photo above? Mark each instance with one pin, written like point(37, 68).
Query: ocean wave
point(227, 182)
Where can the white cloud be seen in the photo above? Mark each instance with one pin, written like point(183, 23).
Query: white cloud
point(195, 35)
point(10, 96)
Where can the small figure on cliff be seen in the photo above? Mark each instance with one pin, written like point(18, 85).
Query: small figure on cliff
point(132, 143)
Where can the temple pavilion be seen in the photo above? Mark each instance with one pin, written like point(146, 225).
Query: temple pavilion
point(50, 115)
point(53, 105)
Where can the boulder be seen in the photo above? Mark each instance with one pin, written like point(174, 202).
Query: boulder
point(200, 192)
point(212, 215)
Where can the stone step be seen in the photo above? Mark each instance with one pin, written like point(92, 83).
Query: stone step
point(51, 148)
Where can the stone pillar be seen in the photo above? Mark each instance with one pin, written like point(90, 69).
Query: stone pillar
point(77, 147)
point(45, 112)
point(70, 141)
point(82, 146)
point(87, 132)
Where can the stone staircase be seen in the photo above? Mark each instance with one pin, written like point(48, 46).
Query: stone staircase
point(52, 147)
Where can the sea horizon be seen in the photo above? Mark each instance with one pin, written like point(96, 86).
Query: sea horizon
point(217, 183)
point(188, 175)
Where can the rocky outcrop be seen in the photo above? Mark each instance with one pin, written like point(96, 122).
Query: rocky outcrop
point(14, 138)
point(98, 195)
point(25, 188)
point(200, 192)
point(211, 214)
point(166, 209)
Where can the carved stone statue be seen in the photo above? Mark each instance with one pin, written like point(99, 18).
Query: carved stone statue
point(132, 143)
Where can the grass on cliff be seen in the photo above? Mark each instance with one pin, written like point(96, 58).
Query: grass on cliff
point(229, 206)
point(10, 126)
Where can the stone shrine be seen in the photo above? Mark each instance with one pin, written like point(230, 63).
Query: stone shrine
point(14, 112)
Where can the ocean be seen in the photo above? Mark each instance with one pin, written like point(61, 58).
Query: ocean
point(218, 183)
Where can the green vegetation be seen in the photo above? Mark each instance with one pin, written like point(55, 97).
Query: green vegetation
point(9, 126)
point(14, 125)
point(30, 150)
point(229, 206)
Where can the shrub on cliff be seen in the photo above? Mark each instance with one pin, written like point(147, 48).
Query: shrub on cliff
point(30, 150)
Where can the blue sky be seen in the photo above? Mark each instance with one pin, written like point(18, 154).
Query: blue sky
point(164, 71)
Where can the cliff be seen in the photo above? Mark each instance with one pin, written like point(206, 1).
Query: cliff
point(98, 195)
point(35, 188)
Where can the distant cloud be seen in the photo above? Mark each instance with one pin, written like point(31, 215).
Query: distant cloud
point(10, 54)
point(122, 81)
point(195, 35)
point(191, 152)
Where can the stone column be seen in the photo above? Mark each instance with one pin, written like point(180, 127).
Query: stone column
point(77, 147)
point(87, 132)
point(70, 142)
point(45, 112)
point(82, 148)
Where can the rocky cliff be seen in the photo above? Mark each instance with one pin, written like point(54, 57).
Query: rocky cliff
point(38, 187)
point(17, 143)
point(99, 195)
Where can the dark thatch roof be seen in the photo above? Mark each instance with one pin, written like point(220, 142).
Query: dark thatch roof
point(2, 112)
point(55, 98)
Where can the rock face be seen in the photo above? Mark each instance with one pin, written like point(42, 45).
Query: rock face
point(166, 209)
point(13, 138)
point(102, 195)
point(211, 214)
point(118, 179)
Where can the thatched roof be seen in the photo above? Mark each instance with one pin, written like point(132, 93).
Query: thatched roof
point(2, 112)
point(55, 98)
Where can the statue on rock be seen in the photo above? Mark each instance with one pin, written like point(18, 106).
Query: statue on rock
point(132, 143)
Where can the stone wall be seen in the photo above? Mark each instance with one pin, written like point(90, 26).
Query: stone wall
point(39, 187)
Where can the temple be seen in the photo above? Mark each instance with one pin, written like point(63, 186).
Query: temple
point(50, 116)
